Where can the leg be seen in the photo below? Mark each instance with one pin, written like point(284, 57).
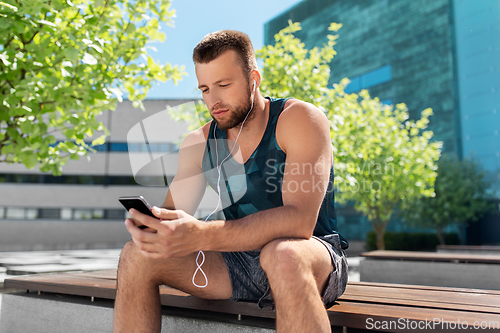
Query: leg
point(298, 271)
point(137, 304)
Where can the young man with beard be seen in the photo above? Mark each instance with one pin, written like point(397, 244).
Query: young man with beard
point(278, 245)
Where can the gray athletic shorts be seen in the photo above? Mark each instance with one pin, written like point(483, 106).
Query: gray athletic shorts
point(250, 282)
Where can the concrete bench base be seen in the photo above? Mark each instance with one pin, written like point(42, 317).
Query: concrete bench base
point(53, 313)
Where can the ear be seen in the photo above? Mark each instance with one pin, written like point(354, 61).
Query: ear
point(255, 76)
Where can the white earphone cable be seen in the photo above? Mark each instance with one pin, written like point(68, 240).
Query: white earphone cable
point(219, 166)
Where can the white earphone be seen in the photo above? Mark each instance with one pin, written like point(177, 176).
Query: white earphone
point(219, 166)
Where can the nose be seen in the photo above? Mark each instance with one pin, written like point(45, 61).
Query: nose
point(212, 99)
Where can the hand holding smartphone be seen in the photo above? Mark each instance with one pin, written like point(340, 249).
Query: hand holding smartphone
point(138, 203)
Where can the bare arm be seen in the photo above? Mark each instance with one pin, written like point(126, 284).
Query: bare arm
point(188, 186)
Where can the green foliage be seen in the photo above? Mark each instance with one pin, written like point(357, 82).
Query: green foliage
point(64, 62)
point(405, 241)
point(291, 70)
point(461, 197)
point(194, 116)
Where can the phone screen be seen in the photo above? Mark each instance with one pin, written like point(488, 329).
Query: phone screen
point(138, 203)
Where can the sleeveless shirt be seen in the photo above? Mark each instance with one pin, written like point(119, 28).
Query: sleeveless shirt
point(256, 185)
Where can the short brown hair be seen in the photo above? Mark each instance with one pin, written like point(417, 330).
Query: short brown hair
point(215, 43)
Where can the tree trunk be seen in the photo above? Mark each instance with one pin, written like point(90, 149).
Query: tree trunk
point(461, 233)
point(380, 238)
point(439, 233)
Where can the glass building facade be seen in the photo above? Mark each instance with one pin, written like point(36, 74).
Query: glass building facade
point(442, 54)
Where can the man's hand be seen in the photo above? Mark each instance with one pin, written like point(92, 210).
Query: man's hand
point(174, 234)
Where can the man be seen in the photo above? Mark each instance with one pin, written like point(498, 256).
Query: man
point(285, 148)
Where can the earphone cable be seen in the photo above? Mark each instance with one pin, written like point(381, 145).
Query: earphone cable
point(219, 167)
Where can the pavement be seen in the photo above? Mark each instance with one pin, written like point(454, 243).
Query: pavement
point(14, 264)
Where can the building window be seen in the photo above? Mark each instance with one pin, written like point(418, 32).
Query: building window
point(123, 147)
point(49, 213)
point(115, 214)
point(15, 213)
point(118, 146)
point(66, 214)
point(98, 214)
point(82, 214)
point(369, 79)
point(31, 213)
point(69, 179)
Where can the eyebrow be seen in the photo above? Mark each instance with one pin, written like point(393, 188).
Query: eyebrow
point(217, 82)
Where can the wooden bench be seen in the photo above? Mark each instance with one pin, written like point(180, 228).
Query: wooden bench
point(469, 249)
point(364, 306)
point(430, 268)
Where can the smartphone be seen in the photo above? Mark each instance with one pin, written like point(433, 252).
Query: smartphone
point(138, 203)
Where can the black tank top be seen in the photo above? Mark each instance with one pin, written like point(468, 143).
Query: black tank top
point(256, 185)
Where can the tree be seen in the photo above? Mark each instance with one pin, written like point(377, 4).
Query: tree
point(64, 62)
point(382, 159)
point(461, 197)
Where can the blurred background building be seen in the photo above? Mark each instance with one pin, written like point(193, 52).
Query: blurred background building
point(80, 209)
point(442, 54)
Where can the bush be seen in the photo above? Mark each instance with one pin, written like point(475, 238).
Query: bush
point(406, 241)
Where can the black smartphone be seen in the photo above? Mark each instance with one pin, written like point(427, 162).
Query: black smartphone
point(138, 203)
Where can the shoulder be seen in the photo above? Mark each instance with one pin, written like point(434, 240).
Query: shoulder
point(296, 111)
point(197, 136)
point(193, 146)
point(300, 120)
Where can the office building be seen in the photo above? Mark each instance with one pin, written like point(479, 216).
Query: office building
point(442, 54)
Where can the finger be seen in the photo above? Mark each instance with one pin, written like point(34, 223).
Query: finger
point(152, 255)
point(166, 214)
point(148, 247)
point(147, 235)
point(144, 219)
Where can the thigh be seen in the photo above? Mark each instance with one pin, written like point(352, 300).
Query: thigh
point(207, 270)
point(178, 272)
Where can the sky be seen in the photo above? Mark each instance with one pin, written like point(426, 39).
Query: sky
point(195, 19)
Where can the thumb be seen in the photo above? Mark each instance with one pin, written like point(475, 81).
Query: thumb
point(165, 214)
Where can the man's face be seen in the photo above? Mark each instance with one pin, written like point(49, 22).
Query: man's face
point(226, 90)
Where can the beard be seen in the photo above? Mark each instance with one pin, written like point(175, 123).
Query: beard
point(236, 114)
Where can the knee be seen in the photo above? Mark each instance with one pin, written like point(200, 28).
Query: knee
point(130, 257)
point(283, 258)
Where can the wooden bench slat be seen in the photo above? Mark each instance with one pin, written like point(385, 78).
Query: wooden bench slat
point(424, 287)
point(422, 304)
point(432, 256)
point(354, 314)
point(438, 297)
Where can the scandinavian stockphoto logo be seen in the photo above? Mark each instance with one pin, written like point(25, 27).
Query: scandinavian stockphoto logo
point(153, 148)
